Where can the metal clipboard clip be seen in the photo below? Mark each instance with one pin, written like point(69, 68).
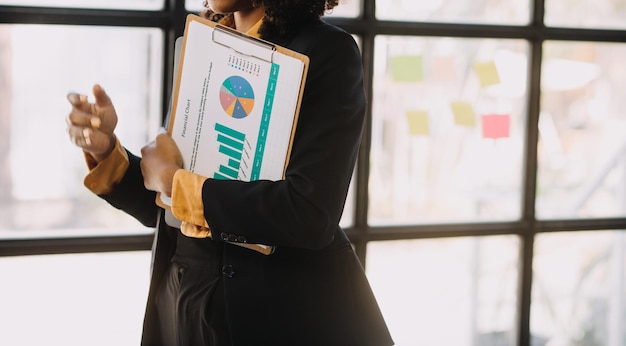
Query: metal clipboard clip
point(253, 47)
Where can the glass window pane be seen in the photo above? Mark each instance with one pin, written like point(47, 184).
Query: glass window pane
point(194, 5)
point(95, 299)
point(579, 288)
point(42, 172)
point(582, 127)
point(607, 14)
point(347, 218)
point(448, 130)
point(458, 291)
point(455, 11)
point(102, 4)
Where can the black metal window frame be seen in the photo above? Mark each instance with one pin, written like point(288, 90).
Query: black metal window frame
point(171, 20)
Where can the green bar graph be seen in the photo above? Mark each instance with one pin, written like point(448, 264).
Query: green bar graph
point(230, 144)
point(235, 144)
point(229, 132)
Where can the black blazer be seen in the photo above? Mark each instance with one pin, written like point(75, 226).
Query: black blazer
point(312, 290)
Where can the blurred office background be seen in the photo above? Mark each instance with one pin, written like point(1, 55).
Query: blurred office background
point(488, 204)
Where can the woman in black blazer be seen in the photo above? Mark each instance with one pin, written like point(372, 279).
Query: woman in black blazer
point(205, 291)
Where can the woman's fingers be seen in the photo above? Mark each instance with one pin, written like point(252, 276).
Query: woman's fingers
point(90, 126)
point(82, 113)
point(85, 138)
point(99, 115)
point(76, 99)
point(80, 136)
point(79, 102)
point(89, 139)
point(102, 98)
point(82, 120)
point(160, 160)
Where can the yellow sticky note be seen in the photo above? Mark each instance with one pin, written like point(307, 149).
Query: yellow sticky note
point(463, 113)
point(487, 73)
point(407, 68)
point(418, 122)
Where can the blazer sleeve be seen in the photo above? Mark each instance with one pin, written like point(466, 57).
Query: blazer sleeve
point(304, 209)
point(131, 196)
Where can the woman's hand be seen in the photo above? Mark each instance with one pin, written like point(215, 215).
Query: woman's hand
point(90, 126)
point(161, 158)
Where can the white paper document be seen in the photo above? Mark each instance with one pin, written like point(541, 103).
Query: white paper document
point(235, 104)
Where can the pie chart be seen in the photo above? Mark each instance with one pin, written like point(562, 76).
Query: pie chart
point(237, 97)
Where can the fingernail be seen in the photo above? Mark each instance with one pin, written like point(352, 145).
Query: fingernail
point(83, 98)
point(95, 122)
point(73, 98)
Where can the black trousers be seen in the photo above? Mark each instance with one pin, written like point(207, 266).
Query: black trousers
point(190, 299)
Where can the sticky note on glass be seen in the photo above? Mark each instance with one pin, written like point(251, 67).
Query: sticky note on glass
point(443, 69)
point(418, 122)
point(407, 68)
point(487, 73)
point(496, 125)
point(463, 113)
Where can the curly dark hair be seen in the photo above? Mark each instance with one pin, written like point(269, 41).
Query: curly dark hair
point(283, 17)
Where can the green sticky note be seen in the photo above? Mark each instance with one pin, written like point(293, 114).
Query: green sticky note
point(418, 122)
point(487, 73)
point(407, 68)
point(463, 113)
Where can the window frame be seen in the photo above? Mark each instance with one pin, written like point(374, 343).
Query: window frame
point(171, 20)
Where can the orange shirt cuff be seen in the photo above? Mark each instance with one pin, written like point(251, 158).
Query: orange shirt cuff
point(107, 173)
point(187, 203)
point(194, 231)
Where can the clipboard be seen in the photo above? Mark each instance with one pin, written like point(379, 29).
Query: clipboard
point(223, 115)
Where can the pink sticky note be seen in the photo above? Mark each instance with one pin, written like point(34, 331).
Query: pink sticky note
point(443, 69)
point(496, 125)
